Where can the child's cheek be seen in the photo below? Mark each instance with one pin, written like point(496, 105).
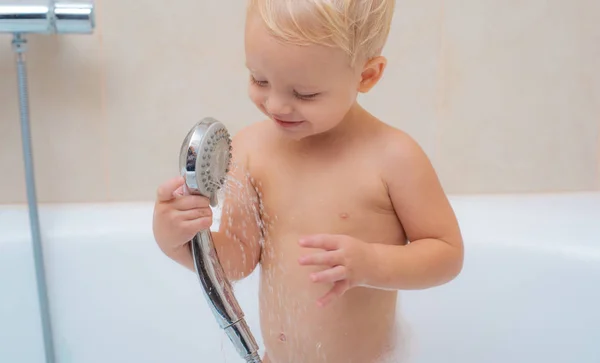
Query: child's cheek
point(255, 97)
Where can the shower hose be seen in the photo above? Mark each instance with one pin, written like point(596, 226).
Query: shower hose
point(19, 44)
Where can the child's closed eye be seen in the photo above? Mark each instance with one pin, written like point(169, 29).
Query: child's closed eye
point(306, 97)
point(257, 82)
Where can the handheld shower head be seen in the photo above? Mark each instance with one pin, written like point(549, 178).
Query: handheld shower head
point(205, 157)
point(204, 161)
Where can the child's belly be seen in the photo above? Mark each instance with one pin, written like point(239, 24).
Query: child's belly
point(358, 327)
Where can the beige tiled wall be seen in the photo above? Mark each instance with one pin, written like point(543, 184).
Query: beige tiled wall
point(504, 96)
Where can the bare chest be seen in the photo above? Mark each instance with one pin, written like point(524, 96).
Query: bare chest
point(338, 198)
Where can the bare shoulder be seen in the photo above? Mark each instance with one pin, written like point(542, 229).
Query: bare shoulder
point(250, 136)
point(249, 140)
point(407, 170)
point(401, 152)
point(416, 191)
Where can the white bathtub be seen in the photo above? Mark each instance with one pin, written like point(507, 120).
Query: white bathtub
point(529, 291)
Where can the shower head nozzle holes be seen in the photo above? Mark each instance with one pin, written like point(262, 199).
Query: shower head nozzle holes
point(205, 157)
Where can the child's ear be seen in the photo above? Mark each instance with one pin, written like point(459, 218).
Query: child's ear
point(371, 73)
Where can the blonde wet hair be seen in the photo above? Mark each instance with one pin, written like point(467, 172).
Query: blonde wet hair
point(358, 27)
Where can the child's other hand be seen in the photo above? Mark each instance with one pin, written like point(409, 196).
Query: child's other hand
point(178, 217)
point(348, 260)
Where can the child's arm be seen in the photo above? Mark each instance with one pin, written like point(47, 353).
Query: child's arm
point(435, 253)
point(238, 241)
point(178, 217)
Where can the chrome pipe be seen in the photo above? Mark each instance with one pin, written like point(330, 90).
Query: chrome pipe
point(19, 46)
point(57, 17)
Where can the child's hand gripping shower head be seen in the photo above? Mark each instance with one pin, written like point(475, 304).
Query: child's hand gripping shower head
point(204, 162)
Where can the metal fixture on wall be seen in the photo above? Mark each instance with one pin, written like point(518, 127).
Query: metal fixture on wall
point(19, 19)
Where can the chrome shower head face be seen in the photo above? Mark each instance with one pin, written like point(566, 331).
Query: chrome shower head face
point(205, 158)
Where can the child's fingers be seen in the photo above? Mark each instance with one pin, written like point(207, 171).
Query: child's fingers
point(339, 288)
point(334, 274)
point(329, 258)
point(327, 242)
point(189, 215)
point(166, 190)
point(178, 192)
point(189, 202)
point(197, 225)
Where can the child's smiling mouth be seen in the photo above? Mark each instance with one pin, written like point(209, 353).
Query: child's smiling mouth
point(287, 124)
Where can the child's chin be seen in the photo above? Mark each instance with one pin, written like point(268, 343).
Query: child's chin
point(294, 133)
point(296, 136)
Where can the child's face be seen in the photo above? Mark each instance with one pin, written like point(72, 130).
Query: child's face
point(305, 90)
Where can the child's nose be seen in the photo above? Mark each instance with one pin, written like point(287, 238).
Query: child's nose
point(277, 106)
